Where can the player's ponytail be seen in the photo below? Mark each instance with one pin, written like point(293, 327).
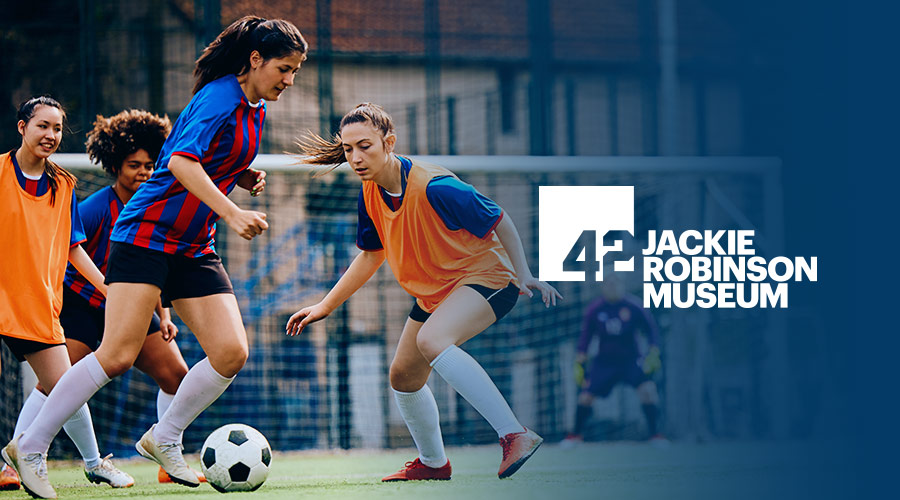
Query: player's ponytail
point(54, 172)
point(316, 150)
point(230, 52)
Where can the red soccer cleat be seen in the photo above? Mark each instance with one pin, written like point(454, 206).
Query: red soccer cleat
point(517, 448)
point(417, 471)
point(9, 480)
point(163, 477)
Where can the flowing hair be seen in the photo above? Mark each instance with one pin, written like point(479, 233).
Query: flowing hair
point(230, 52)
point(316, 150)
point(54, 172)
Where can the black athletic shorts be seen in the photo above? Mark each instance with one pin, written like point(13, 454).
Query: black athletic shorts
point(84, 323)
point(21, 347)
point(501, 301)
point(178, 276)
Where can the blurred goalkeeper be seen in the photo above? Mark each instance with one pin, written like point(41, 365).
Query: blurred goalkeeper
point(619, 343)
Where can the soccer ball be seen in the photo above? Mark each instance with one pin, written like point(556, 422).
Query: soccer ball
point(236, 457)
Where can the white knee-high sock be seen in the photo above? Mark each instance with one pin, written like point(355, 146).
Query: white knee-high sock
point(200, 388)
point(163, 401)
point(73, 390)
point(420, 412)
point(469, 379)
point(30, 409)
point(79, 427)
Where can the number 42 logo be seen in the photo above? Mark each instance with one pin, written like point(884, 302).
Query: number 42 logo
point(584, 229)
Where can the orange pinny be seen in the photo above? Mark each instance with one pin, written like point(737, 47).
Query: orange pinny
point(33, 259)
point(429, 260)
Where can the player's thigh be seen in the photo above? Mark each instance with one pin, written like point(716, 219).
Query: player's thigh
point(49, 365)
point(77, 350)
point(163, 362)
point(129, 307)
point(461, 316)
point(216, 322)
point(409, 369)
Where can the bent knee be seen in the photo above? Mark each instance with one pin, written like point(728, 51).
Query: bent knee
point(431, 346)
point(116, 367)
point(405, 378)
point(230, 362)
point(647, 393)
point(170, 378)
point(585, 398)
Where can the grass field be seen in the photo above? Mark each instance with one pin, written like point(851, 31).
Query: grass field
point(594, 470)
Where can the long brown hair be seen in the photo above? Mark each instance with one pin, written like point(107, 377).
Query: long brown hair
point(230, 52)
point(316, 150)
point(54, 172)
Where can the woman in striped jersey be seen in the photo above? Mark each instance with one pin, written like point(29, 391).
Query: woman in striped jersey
point(453, 250)
point(127, 146)
point(163, 245)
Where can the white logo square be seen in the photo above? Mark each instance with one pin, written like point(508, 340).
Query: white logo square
point(566, 213)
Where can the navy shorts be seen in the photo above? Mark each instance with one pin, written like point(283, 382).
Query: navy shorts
point(177, 276)
point(604, 375)
point(84, 323)
point(501, 301)
point(21, 347)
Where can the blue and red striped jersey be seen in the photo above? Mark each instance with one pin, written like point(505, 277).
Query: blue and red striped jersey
point(98, 216)
point(220, 129)
point(40, 187)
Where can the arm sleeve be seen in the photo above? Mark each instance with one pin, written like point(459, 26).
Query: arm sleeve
point(461, 206)
point(76, 234)
point(204, 116)
point(366, 234)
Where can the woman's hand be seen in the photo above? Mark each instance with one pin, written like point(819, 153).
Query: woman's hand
point(548, 293)
point(253, 180)
point(247, 223)
point(168, 329)
point(305, 316)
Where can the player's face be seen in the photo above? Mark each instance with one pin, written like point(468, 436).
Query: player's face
point(41, 135)
point(268, 78)
point(366, 151)
point(136, 169)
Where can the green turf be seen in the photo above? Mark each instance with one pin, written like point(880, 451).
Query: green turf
point(602, 471)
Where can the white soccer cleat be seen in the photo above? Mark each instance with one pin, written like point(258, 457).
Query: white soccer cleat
point(169, 457)
point(108, 473)
point(32, 470)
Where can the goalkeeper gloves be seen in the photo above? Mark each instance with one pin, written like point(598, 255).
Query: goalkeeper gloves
point(652, 363)
point(579, 373)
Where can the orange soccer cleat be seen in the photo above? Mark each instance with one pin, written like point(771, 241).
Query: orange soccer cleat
point(417, 471)
point(9, 480)
point(517, 448)
point(163, 477)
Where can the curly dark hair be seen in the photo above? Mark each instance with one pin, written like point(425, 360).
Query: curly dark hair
point(118, 136)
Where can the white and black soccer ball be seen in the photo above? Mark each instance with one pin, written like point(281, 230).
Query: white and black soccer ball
point(236, 457)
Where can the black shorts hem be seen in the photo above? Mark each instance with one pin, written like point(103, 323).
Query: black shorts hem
point(177, 276)
point(21, 347)
point(501, 301)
